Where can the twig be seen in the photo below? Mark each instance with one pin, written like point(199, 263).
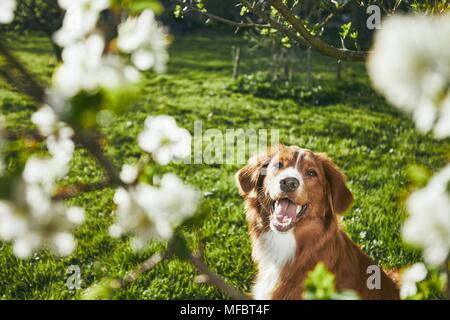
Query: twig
point(145, 266)
point(215, 280)
point(64, 193)
point(332, 15)
point(211, 277)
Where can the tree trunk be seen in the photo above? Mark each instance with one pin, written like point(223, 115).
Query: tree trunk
point(308, 68)
point(237, 62)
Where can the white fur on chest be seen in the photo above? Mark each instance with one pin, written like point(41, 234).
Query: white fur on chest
point(272, 252)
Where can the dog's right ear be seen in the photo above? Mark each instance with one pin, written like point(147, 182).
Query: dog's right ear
point(250, 176)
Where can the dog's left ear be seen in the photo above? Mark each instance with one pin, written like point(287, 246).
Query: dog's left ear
point(341, 197)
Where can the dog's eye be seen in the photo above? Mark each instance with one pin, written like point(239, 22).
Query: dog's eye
point(311, 173)
point(278, 165)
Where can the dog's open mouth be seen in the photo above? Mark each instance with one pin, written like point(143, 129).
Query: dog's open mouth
point(285, 214)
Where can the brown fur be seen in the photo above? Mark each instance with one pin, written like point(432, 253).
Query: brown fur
point(317, 233)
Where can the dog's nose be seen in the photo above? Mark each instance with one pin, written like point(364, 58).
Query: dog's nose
point(289, 184)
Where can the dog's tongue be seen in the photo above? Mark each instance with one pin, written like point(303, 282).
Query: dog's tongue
point(285, 211)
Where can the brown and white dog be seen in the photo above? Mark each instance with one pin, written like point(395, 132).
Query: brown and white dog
point(292, 199)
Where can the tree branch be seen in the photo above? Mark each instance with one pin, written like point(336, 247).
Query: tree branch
point(96, 151)
point(276, 25)
point(333, 14)
point(220, 19)
point(316, 43)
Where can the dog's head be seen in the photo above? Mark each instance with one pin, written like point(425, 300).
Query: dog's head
point(293, 185)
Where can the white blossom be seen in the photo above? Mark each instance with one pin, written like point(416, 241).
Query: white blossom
point(7, 8)
point(129, 173)
point(410, 65)
point(46, 120)
point(428, 226)
point(60, 144)
point(80, 19)
point(149, 212)
point(44, 171)
point(145, 40)
point(132, 218)
point(85, 67)
point(33, 221)
point(409, 278)
point(173, 199)
point(10, 224)
point(58, 135)
point(164, 139)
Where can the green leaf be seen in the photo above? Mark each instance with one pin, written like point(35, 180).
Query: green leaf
point(345, 30)
point(264, 31)
point(178, 12)
point(319, 284)
point(244, 11)
point(137, 6)
point(285, 41)
point(418, 175)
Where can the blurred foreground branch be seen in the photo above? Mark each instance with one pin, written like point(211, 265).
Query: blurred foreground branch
point(88, 140)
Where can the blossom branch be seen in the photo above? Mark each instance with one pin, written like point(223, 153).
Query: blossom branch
point(38, 93)
point(138, 194)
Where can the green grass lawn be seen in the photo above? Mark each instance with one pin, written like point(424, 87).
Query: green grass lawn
point(370, 141)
